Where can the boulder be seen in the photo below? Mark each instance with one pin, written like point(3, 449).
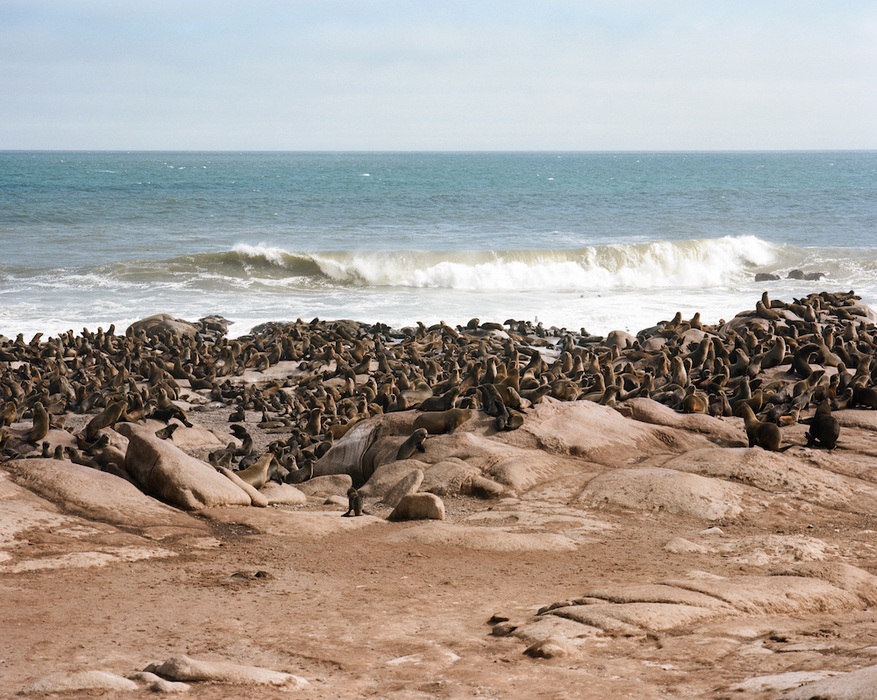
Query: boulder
point(406, 486)
point(332, 485)
point(184, 668)
point(283, 495)
point(419, 506)
point(388, 475)
point(166, 472)
point(163, 323)
point(95, 495)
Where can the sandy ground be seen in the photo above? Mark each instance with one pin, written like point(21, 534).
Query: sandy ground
point(361, 615)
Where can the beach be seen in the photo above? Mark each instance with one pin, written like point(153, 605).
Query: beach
point(581, 511)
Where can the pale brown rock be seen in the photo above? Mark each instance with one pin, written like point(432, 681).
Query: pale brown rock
point(332, 485)
point(406, 486)
point(185, 668)
point(95, 495)
point(80, 680)
point(419, 506)
point(164, 471)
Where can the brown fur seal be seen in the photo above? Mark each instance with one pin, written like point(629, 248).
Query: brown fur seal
point(445, 402)
point(105, 419)
point(259, 473)
point(40, 424)
point(354, 503)
point(413, 444)
point(440, 422)
point(299, 476)
point(825, 428)
point(9, 413)
point(695, 402)
point(765, 435)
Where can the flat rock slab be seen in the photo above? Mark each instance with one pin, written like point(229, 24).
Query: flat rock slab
point(483, 538)
point(856, 685)
point(80, 680)
point(716, 430)
point(779, 473)
point(27, 519)
point(637, 610)
point(601, 434)
point(96, 495)
point(655, 488)
point(184, 668)
point(287, 523)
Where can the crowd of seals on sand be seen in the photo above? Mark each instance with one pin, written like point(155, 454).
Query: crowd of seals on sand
point(770, 366)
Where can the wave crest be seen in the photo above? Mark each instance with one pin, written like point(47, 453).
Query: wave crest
point(686, 264)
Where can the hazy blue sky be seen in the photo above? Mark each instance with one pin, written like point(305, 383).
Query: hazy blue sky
point(449, 75)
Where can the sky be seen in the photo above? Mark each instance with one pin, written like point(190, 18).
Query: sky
point(403, 75)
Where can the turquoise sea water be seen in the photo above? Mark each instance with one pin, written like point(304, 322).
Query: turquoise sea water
point(593, 240)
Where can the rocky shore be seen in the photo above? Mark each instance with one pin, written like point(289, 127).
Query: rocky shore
point(685, 512)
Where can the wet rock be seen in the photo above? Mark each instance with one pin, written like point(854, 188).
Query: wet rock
point(163, 323)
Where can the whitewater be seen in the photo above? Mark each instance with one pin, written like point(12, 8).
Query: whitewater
point(594, 241)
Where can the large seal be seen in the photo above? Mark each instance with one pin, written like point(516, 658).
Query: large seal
point(444, 402)
point(105, 419)
point(40, 424)
point(824, 429)
point(441, 422)
point(413, 444)
point(260, 473)
point(765, 435)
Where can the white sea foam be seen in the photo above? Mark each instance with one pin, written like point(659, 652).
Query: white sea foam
point(269, 253)
point(659, 265)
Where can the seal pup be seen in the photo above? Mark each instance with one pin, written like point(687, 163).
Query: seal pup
point(167, 432)
point(298, 476)
point(765, 435)
point(413, 444)
point(9, 413)
point(354, 503)
point(824, 429)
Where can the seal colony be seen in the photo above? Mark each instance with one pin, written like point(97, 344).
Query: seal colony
point(543, 450)
point(771, 366)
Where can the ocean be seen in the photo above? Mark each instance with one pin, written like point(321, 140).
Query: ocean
point(599, 241)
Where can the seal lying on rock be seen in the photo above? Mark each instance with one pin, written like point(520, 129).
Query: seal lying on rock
point(441, 422)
